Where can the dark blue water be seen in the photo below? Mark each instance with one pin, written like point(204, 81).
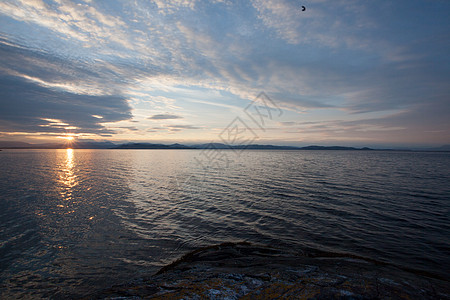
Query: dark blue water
point(76, 221)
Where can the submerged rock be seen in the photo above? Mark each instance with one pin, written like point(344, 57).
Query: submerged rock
point(245, 271)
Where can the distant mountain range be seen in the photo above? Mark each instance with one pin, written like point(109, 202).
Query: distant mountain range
point(77, 145)
point(110, 145)
point(441, 148)
point(150, 146)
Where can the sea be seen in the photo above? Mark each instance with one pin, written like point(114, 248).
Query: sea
point(74, 222)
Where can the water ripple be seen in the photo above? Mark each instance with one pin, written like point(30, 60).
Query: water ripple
point(77, 221)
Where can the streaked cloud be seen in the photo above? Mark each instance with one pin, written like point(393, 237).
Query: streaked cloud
point(79, 21)
point(103, 68)
point(164, 117)
point(183, 127)
point(28, 107)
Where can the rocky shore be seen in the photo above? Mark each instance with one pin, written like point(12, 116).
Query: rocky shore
point(246, 271)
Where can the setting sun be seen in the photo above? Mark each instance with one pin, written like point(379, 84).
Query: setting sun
point(67, 138)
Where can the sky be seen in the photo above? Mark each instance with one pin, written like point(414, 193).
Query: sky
point(341, 72)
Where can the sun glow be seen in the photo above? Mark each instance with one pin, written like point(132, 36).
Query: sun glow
point(67, 138)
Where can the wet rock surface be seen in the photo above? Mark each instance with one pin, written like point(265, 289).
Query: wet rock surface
point(245, 271)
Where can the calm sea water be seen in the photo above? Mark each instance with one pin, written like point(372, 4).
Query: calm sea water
point(76, 221)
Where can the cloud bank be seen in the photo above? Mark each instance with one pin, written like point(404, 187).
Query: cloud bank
point(371, 71)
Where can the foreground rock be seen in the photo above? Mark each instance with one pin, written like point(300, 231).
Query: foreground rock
point(244, 271)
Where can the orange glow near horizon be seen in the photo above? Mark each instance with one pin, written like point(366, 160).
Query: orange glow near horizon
point(67, 178)
point(68, 138)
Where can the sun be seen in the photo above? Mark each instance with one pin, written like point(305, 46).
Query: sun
point(68, 140)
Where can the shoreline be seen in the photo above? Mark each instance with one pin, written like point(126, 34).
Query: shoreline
point(247, 271)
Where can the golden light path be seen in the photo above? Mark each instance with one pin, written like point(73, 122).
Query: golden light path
point(68, 178)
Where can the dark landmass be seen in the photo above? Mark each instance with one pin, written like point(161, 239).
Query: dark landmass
point(10, 144)
point(265, 147)
point(211, 146)
point(75, 145)
point(110, 145)
point(333, 148)
point(151, 146)
point(246, 271)
point(252, 146)
point(442, 148)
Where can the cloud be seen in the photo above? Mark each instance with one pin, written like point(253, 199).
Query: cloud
point(164, 117)
point(428, 121)
point(345, 57)
point(28, 107)
point(183, 126)
point(43, 93)
point(287, 123)
point(170, 6)
point(82, 22)
point(172, 128)
point(131, 128)
point(282, 16)
point(51, 71)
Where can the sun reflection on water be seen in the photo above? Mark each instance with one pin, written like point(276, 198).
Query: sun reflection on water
point(68, 178)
